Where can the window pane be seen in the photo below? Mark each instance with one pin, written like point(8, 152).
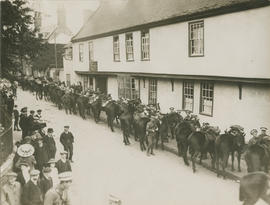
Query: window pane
point(196, 38)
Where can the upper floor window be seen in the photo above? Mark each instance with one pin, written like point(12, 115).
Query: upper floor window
point(196, 38)
point(207, 98)
point(91, 51)
point(68, 53)
point(81, 47)
point(129, 47)
point(152, 92)
point(145, 40)
point(188, 95)
point(116, 48)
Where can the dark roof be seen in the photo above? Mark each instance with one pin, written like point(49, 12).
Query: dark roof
point(264, 81)
point(117, 15)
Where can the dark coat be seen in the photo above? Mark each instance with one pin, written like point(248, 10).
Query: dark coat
point(45, 184)
point(24, 122)
point(66, 139)
point(41, 156)
point(20, 178)
point(50, 146)
point(31, 194)
point(63, 166)
point(16, 114)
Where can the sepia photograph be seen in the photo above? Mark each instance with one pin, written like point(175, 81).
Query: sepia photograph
point(135, 102)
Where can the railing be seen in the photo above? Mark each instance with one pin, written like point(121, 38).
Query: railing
point(6, 137)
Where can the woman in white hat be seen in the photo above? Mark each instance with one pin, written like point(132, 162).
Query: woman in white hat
point(25, 152)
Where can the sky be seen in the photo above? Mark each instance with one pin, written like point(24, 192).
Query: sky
point(74, 11)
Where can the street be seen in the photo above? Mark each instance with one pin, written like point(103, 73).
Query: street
point(104, 166)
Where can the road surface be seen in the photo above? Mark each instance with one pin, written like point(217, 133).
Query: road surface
point(104, 166)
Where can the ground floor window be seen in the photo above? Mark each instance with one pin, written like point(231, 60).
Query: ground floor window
point(128, 87)
point(152, 92)
point(68, 79)
point(207, 98)
point(188, 95)
point(85, 82)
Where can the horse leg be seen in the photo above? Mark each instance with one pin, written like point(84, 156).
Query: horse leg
point(184, 153)
point(232, 161)
point(179, 149)
point(157, 139)
point(193, 158)
point(225, 158)
point(239, 160)
point(111, 123)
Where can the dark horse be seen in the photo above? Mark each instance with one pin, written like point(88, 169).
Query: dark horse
point(201, 143)
point(162, 130)
point(96, 108)
point(256, 157)
point(173, 119)
point(112, 110)
point(139, 123)
point(227, 144)
point(182, 131)
point(254, 186)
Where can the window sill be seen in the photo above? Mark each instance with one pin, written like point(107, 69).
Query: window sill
point(130, 60)
point(116, 61)
point(205, 114)
point(196, 55)
point(145, 59)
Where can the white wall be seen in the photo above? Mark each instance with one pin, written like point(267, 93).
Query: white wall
point(236, 44)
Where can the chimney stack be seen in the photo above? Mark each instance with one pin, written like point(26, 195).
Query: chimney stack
point(61, 17)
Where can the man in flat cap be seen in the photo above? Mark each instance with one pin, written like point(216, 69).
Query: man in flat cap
point(11, 191)
point(46, 180)
point(41, 154)
point(63, 164)
point(67, 139)
point(59, 194)
point(263, 132)
point(31, 192)
point(23, 122)
point(50, 143)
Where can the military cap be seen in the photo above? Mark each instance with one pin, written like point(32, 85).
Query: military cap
point(253, 131)
point(171, 108)
point(65, 176)
point(52, 161)
point(24, 109)
point(32, 111)
point(63, 152)
point(46, 170)
point(11, 174)
point(34, 172)
point(66, 126)
point(263, 128)
point(39, 110)
point(50, 130)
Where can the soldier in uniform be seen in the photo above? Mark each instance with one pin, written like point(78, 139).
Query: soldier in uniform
point(59, 195)
point(16, 118)
point(32, 194)
point(151, 129)
point(255, 138)
point(263, 132)
point(67, 139)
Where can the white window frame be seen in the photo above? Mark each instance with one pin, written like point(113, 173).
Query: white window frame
point(207, 98)
point(145, 45)
point(116, 48)
point(91, 51)
point(188, 95)
point(129, 47)
point(128, 87)
point(152, 94)
point(196, 39)
point(81, 52)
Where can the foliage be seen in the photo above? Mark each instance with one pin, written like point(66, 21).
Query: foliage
point(19, 40)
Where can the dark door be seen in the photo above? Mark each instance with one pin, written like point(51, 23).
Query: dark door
point(101, 84)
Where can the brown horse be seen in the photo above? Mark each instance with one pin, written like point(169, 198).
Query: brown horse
point(182, 131)
point(257, 157)
point(254, 186)
point(227, 144)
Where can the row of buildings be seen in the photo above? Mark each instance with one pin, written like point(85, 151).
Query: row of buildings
point(211, 56)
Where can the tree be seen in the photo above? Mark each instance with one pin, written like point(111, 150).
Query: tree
point(19, 40)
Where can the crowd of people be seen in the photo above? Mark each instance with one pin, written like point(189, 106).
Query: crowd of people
point(37, 177)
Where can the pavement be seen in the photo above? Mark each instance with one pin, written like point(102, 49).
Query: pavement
point(105, 169)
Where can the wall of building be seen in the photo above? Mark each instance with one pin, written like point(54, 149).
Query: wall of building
point(112, 86)
point(228, 48)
